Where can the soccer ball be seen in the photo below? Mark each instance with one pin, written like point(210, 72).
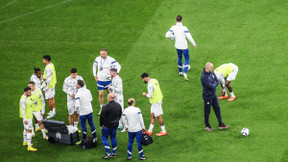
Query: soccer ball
point(172, 37)
point(245, 131)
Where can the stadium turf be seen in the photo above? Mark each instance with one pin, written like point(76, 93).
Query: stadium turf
point(251, 34)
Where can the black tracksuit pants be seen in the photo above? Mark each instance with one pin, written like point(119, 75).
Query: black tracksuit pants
point(207, 108)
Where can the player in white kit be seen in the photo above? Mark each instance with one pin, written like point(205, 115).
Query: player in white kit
point(70, 88)
point(116, 87)
point(103, 63)
point(38, 80)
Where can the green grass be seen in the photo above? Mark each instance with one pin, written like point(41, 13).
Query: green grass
point(251, 34)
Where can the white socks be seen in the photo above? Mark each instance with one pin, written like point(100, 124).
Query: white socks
point(54, 111)
point(232, 94)
point(226, 94)
point(101, 107)
point(163, 129)
point(75, 124)
point(29, 139)
point(43, 132)
point(51, 112)
point(33, 132)
point(24, 136)
point(151, 127)
point(37, 126)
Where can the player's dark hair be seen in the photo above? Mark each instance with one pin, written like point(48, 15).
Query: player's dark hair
point(80, 83)
point(104, 49)
point(113, 69)
point(179, 18)
point(47, 57)
point(36, 70)
point(73, 70)
point(144, 75)
point(130, 102)
point(27, 89)
point(31, 82)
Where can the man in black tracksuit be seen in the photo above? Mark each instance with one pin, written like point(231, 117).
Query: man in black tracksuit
point(109, 121)
point(209, 84)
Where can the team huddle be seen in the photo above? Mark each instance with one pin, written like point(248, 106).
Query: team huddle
point(113, 115)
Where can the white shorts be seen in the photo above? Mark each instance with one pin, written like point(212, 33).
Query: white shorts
point(71, 107)
point(29, 125)
point(232, 75)
point(156, 109)
point(49, 93)
point(37, 115)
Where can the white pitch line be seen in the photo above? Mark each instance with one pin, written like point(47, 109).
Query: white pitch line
point(29, 13)
point(7, 4)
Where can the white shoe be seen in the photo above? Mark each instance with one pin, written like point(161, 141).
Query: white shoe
point(45, 137)
point(50, 116)
point(180, 73)
point(185, 76)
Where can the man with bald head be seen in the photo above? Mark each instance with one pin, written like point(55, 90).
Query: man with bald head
point(109, 121)
point(209, 84)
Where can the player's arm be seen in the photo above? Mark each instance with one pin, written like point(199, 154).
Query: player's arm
point(23, 104)
point(169, 34)
point(117, 65)
point(95, 65)
point(65, 87)
point(150, 90)
point(205, 81)
point(49, 73)
point(42, 102)
point(140, 117)
point(118, 86)
point(189, 37)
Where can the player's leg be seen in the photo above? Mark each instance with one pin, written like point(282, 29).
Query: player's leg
point(101, 100)
point(231, 76)
point(91, 123)
point(150, 130)
point(216, 107)
point(113, 140)
point(158, 112)
point(207, 109)
point(187, 60)
point(179, 52)
point(28, 128)
point(105, 135)
point(39, 118)
point(83, 126)
point(138, 140)
point(37, 127)
point(131, 136)
point(50, 105)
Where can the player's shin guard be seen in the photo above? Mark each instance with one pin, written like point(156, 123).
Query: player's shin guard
point(24, 136)
point(29, 139)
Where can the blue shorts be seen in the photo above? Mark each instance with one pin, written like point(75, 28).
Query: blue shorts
point(103, 84)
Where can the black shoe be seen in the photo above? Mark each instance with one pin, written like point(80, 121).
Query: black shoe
point(113, 155)
point(107, 156)
point(143, 157)
point(223, 126)
point(129, 157)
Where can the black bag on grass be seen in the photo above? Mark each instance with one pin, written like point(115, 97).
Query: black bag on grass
point(146, 139)
point(88, 143)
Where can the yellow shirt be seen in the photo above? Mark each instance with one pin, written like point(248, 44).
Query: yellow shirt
point(225, 69)
point(157, 94)
point(53, 78)
point(28, 108)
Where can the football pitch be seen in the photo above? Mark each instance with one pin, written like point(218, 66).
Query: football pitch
point(251, 34)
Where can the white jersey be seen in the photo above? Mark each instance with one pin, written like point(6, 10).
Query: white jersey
point(83, 100)
point(181, 33)
point(37, 81)
point(133, 119)
point(104, 65)
point(70, 86)
point(117, 88)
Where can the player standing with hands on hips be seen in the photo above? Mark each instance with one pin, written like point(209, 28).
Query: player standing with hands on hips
point(103, 63)
point(180, 33)
point(155, 96)
point(209, 84)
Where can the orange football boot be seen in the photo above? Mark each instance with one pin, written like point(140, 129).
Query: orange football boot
point(161, 134)
point(222, 97)
point(231, 99)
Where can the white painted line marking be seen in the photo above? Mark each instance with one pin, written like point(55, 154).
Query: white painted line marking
point(7, 4)
point(29, 13)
